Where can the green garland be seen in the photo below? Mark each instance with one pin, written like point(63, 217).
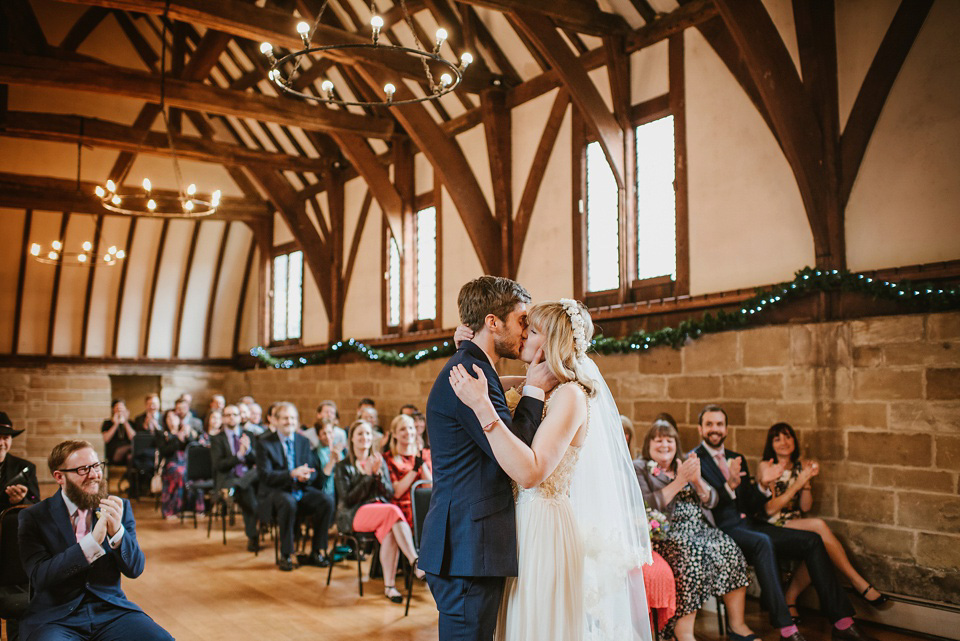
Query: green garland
point(916, 297)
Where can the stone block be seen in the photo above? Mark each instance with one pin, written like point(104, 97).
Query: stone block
point(853, 415)
point(799, 385)
point(929, 416)
point(765, 347)
point(944, 326)
point(900, 478)
point(643, 412)
point(821, 345)
point(638, 386)
point(886, 384)
point(14, 378)
point(766, 413)
point(887, 329)
point(935, 512)
point(712, 353)
point(689, 438)
point(888, 448)
point(871, 539)
point(948, 452)
point(926, 353)
point(867, 356)
point(938, 550)
point(660, 360)
point(822, 445)
point(693, 387)
point(736, 411)
point(65, 395)
point(616, 363)
point(943, 383)
point(865, 505)
point(49, 381)
point(843, 473)
point(745, 386)
point(748, 441)
point(824, 500)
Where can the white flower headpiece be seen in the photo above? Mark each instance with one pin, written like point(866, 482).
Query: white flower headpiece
point(572, 308)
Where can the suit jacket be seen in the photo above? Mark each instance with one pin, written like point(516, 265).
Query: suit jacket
point(13, 465)
point(60, 575)
point(140, 422)
point(470, 528)
point(651, 486)
point(728, 511)
point(354, 489)
point(272, 464)
point(225, 461)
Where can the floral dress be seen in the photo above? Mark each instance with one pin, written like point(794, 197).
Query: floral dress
point(792, 509)
point(705, 561)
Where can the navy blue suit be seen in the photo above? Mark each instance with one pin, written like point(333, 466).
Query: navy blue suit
point(469, 541)
point(762, 542)
point(71, 596)
point(276, 495)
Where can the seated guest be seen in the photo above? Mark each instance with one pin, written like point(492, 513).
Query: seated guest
point(247, 400)
point(326, 411)
point(407, 463)
point(364, 495)
point(423, 437)
point(18, 477)
point(118, 433)
point(217, 402)
point(328, 454)
point(150, 420)
point(245, 422)
point(234, 458)
point(74, 546)
point(182, 408)
point(173, 454)
point(738, 497)
point(289, 486)
point(705, 561)
point(409, 409)
point(256, 415)
point(211, 427)
point(792, 496)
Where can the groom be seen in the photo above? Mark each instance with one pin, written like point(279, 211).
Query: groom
point(469, 541)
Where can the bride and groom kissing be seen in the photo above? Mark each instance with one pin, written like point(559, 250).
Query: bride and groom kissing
point(548, 556)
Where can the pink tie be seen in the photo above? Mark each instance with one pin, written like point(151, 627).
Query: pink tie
point(80, 527)
point(722, 464)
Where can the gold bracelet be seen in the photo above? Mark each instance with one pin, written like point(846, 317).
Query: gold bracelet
point(489, 426)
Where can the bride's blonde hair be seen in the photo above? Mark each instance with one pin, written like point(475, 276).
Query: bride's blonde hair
point(560, 343)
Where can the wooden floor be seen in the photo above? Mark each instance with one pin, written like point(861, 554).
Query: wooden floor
point(199, 589)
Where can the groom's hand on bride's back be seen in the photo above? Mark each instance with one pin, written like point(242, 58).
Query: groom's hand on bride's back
point(539, 374)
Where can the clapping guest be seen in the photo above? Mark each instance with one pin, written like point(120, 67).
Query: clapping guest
point(326, 412)
point(705, 561)
point(256, 415)
point(118, 433)
point(329, 453)
point(245, 415)
point(150, 419)
point(233, 457)
point(791, 497)
point(217, 402)
point(182, 408)
point(364, 493)
point(18, 477)
point(423, 437)
point(407, 462)
point(211, 427)
point(173, 452)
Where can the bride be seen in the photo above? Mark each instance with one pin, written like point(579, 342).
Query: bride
point(581, 524)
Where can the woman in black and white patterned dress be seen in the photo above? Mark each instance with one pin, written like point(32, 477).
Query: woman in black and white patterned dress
point(705, 561)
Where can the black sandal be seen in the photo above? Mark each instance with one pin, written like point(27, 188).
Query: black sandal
point(796, 619)
point(880, 600)
point(396, 599)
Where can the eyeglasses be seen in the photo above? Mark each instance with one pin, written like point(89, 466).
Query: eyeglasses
point(84, 470)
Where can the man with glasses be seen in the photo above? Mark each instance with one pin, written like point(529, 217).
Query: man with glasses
point(74, 546)
point(233, 466)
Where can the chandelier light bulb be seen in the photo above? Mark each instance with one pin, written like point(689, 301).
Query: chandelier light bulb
point(52, 255)
point(465, 60)
point(376, 23)
point(116, 200)
point(81, 258)
point(215, 200)
point(106, 258)
point(146, 185)
point(266, 48)
point(111, 187)
point(303, 28)
point(99, 191)
point(121, 254)
point(274, 75)
point(87, 246)
point(188, 205)
point(445, 80)
point(57, 245)
point(152, 204)
point(112, 250)
point(191, 190)
point(441, 36)
point(389, 89)
point(327, 87)
point(35, 249)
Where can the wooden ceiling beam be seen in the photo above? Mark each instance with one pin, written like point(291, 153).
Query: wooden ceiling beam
point(497, 128)
point(585, 17)
point(113, 135)
point(83, 27)
point(19, 69)
point(58, 194)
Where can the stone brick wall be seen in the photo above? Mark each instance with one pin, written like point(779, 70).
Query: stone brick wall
point(877, 401)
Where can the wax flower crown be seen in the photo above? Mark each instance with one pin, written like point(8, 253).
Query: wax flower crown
point(572, 308)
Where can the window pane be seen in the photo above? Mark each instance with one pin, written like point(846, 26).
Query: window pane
point(393, 283)
point(656, 200)
point(294, 294)
point(603, 237)
point(427, 263)
point(280, 298)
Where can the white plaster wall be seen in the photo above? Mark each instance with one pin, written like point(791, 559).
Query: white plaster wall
point(106, 285)
point(460, 262)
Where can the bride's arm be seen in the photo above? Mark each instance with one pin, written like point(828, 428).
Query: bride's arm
point(512, 381)
point(528, 466)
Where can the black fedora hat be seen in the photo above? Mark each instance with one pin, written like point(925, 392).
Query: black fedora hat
point(6, 426)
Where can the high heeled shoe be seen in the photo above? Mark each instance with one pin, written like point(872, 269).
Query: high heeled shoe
point(795, 617)
point(880, 600)
point(396, 598)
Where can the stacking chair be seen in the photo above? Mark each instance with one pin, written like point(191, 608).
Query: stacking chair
point(197, 478)
point(420, 492)
point(359, 540)
point(143, 460)
point(14, 583)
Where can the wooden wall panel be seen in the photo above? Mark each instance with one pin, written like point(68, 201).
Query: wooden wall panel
point(68, 324)
point(198, 289)
point(106, 288)
point(226, 306)
point(38, 283)
point(166, 297)
point(11, 227)
point(142, 257)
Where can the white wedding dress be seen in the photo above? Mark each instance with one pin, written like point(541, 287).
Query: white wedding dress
point(579, 534)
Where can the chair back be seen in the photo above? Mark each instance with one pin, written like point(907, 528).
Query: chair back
point(11, 568)
point(144, 445)
point(420, 494)
point(199, 464)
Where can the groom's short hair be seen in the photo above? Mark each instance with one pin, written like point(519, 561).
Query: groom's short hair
point(489, 295)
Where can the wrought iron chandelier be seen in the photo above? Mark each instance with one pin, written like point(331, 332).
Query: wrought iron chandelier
point(57, 255)
point(182, 203)
point(449, 79)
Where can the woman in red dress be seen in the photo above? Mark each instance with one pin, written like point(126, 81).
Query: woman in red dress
point(407, 462)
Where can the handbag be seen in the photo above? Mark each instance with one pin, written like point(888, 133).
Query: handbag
point(156, 481)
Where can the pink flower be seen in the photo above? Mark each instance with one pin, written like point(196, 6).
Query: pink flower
point(656, 471)
point(654, 524)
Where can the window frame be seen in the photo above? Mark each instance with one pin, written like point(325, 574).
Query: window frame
point(280, 250)
point(421, 202)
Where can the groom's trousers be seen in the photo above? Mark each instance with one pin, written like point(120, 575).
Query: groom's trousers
point(468, 605)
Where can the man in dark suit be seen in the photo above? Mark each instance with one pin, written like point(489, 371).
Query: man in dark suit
point(234, 460)
point(18, 477)
point(290, 486)
point(74, 546)
point(740, 499)
point(149, 420)
point(469, 541)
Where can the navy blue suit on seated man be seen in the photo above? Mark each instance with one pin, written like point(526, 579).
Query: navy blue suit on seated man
point(469, 541)
point(290, 486)
point(75, 557)
point(761, 542)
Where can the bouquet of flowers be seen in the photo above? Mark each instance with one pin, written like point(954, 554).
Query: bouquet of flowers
point(659, 525)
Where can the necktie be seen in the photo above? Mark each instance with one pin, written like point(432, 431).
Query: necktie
point(291, 463)
point(240, 468)
point(80, 527)
point(722, 464)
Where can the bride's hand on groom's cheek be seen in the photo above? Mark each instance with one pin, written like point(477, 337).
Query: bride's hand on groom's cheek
point(539, 374)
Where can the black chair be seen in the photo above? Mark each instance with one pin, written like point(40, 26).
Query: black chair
point(357, 540)
point(143, 461)
point(14, 582)
point(420, 503)
point(197, 478)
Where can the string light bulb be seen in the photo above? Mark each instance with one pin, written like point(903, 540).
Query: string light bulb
point(445, 80)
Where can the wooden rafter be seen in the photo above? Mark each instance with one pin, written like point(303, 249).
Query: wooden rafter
point(355, 242)
point(83, 27)
point(577, 15)
point(21, 278)
point(497, 130)
point(377, 177)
